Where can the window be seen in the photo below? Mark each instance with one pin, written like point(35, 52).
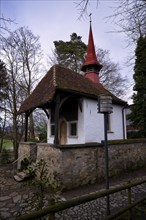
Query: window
point(73, 129)
point(52, 130)
point(90, 69)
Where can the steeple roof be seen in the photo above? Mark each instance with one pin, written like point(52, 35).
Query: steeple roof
point(91, 58)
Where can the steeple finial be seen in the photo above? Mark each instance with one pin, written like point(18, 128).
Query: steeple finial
point(90, 17)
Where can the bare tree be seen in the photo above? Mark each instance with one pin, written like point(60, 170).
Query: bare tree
point(82, 6)
point(4, 22)
point(129, 15)
point(22, 54)
point(3, 98)
point(3, 121)
point(110, 74)
point(30, 57)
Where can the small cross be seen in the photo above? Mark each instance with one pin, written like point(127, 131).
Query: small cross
point(90, 17)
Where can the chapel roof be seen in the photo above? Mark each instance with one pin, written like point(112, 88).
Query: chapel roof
point(59, 78)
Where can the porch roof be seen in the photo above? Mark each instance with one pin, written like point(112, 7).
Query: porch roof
point(59, 78)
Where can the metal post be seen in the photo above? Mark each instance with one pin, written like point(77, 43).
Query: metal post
point(106, 163)
point(105, 107)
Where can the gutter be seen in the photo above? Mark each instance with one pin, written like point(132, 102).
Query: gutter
point(123, 122)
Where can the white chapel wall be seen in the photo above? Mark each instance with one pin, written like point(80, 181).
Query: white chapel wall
point(117, 124)
point(94, 127)
point(94, 122)
point(91, 124)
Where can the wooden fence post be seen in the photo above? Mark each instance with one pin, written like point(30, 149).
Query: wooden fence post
point(129, 203)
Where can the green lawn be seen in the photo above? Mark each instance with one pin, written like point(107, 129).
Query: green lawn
point(7, 144)
point(6, 155)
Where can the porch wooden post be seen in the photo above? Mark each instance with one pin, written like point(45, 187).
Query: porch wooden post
point(26, 127)
point(56, 137)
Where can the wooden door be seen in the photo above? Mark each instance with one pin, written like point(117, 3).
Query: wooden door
point(63, 132)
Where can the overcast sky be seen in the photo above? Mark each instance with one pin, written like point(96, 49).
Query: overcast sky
point(58, 19)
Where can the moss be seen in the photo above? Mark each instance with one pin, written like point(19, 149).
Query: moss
point(126, 141)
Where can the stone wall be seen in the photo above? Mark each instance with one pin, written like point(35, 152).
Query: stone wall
point(79, 165)
point(126, 157)
point(53, 158)
point(76, 165)
point(26, 150)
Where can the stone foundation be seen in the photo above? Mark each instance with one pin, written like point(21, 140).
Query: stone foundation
point(26, 150)
point(75, 165)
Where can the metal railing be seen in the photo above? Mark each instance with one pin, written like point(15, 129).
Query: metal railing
point(50, 211)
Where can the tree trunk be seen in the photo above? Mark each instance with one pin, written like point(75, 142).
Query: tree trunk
point(3, 132)
point(31, 128)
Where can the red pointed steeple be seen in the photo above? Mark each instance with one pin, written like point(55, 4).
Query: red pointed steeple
point(91, 66)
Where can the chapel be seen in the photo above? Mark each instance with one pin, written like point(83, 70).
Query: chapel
point(70, 101)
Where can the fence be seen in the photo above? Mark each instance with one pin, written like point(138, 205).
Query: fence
point(93, 206)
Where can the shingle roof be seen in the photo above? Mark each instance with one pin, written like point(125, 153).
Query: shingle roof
point(61, 78)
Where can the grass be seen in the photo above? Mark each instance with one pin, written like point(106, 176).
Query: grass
point(7, 144)
point(6, 155)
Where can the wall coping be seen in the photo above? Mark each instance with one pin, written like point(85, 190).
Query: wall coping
point(88, 145)
point(79, 146)
point(45, 144)
point(126, 141)
point(28, 143)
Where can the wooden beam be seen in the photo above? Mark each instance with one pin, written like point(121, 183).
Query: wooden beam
point(26, 126)
point(46, 112)
point(57, 103)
